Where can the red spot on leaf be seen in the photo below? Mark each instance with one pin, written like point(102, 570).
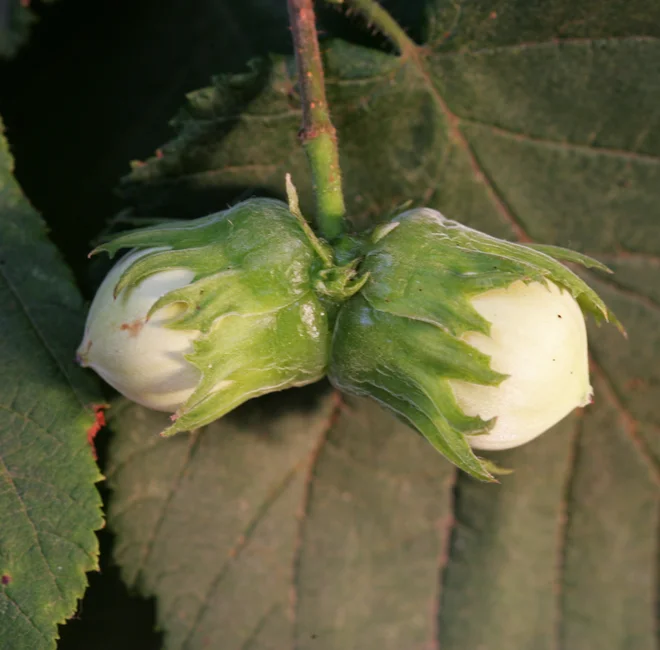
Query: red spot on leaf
point(5, 579)
point(99, 423)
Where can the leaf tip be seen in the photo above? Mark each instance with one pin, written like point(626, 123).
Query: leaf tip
point(173, 428)
point(610, 317)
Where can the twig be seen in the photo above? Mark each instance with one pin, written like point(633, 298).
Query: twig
point(318, 134)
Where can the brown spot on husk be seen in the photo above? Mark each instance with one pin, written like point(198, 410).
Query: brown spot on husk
point(133, 328)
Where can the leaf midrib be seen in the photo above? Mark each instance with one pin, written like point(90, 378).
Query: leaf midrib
point(41, 336)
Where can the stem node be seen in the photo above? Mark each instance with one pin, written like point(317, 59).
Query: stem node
point(318, 135)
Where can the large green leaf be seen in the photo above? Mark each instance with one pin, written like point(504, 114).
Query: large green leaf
point(263, 518)
point(525, 119)
point(49, 506)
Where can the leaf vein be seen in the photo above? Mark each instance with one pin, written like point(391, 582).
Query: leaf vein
point(550, 44)
point(118, 466)
point(261, 624)
point(208, 175)
point(40, 335)
point(12, 488)
point(71, 542)
point(563, 526)
point(559, 144)
point(193, 446)
point(248, 117)
point(625, 256)
point(628, 420)
point(28, 420)
point(314, 456)
point(630, 294)
point(454, 127)
point(41, 633)
point(233, 555)
point(447, 532)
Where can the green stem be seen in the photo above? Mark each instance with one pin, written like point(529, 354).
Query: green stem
point(318, 134)
point(377, 17)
